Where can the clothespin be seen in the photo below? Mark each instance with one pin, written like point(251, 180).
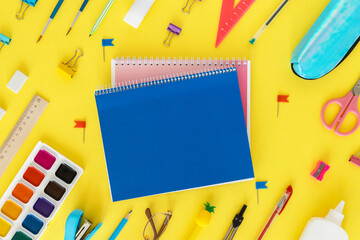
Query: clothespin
point(107, 43)
point(320, 170)
point(355, 160)
point(281, 98)
point(188, 6)
point(173, 30)
point(5, 40)
point(260, 185)
point(66, 68)
point(29, 3)
point(81, 124)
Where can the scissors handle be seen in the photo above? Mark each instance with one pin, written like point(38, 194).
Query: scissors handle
point(348, 104)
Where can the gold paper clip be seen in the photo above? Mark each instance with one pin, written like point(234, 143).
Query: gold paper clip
point(29, 3)
point(188, 6)
point(66, 68)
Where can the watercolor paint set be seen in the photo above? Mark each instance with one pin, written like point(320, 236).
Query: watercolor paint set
point(36, 193)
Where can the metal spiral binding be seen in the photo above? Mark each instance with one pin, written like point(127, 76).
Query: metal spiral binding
point(181, 61)
point(153, 81)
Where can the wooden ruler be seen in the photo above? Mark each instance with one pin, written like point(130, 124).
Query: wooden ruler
point(21, 131)
point(230, 16)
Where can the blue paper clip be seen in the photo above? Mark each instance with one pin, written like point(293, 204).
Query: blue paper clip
point(29, 3)
point(5, 40)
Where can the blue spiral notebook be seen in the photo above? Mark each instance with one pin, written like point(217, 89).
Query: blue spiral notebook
point(175, 134)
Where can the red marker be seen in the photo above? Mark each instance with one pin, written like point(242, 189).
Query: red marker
point(277, 211)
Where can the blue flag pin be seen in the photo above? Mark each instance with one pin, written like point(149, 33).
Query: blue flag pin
point(107, 43)
point(260, 185)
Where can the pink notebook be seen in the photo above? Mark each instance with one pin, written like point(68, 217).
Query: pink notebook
point(126, 71)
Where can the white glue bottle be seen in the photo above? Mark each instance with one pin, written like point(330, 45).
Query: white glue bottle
point(328, 228)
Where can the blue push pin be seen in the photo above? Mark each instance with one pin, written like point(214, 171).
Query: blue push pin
point(5, 40)
point(19, 15)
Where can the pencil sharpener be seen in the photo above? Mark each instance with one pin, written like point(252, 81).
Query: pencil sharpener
point(67, 70)
point(320, 171)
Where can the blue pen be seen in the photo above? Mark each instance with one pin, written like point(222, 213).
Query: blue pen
point(56, 9)
point(78, 14)
point(120, 227)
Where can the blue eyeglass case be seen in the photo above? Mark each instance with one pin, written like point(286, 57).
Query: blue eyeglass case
point(329, 41)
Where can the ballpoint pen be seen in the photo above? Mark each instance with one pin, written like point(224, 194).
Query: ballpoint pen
point(277, 211)
point(267, 23)
point(78, 14)
point(53, 14)
point(101, 17)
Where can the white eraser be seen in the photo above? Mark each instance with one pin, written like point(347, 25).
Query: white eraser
point(137, 12)
point(2, 113)
point(17, 81)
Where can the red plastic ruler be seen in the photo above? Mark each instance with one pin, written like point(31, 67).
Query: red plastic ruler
point(230, 16)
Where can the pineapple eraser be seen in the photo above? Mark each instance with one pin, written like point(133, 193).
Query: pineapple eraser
point(2, 113)
point(17, 81)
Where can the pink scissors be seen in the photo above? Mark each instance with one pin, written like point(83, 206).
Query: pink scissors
point(348, 104)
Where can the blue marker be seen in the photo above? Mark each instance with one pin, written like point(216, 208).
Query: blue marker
point(78, 14)
point(120, 227)
point(4, 40)
point(53, 14)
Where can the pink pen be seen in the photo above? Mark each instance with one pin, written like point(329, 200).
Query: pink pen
point(277, 211)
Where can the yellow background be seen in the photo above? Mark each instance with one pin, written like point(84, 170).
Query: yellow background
point(285, 149)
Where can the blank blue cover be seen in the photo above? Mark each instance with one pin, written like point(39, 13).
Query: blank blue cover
point(175, 135)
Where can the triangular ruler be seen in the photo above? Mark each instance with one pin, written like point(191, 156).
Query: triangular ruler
point(230, 16)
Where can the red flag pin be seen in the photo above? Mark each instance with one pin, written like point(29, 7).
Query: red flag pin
point(81, 124)
point(281, 98)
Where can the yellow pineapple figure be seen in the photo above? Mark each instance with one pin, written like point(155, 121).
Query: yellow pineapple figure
point(202, 219)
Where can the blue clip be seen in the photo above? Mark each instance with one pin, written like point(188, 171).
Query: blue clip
point(29, 3)
point(5, 40)
point(72, 226)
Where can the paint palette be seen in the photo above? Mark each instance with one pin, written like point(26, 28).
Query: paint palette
point(36, 193)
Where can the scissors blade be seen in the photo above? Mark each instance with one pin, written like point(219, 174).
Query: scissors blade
point(356, 89)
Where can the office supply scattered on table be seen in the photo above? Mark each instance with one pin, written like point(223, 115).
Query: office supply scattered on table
point(267, 23)
point(81, 124)
point(173, 30)
point(281, 98)
point(328, 228)
point(37, 192)
point(230, 16)
point(150, 231)
point(29, 3)
point(155, 108)
point(17, 81)
point(348, 104)
point(320, 170)
point(78, 15)
point(106, 43)
point(4, 40)
point(20, 131)
point(125, 71)
point(236, 222)
point(280, 206)
point(67, 69)
point(120, 227)
point(101, 17)
point(329, 41)
point(202, 220)
point(260, 185)
point(2, 113)
point(188, 6)
point(53, 14)
point(354, 159)
point(137, 12)
point(75, 231)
